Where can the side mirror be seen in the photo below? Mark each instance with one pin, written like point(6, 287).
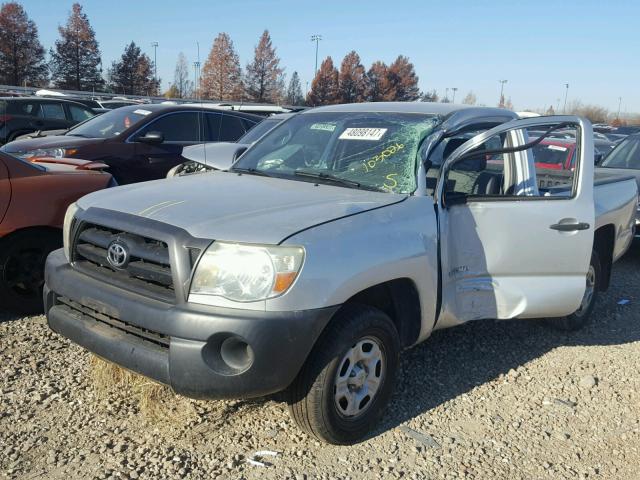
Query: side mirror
point(598, 158)
point(151, 138)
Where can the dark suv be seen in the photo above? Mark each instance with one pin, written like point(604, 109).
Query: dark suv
point(25, 115)
point(141, 142)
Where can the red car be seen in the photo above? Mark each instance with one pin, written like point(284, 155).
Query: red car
point(555, 154)
point(34, 197)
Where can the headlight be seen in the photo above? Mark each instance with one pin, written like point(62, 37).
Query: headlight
point(47, 152)
point(247, 273)
point(66, 229)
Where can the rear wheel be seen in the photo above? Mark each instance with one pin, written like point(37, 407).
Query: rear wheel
point(581, 317)
point(22, 259)
point(346, 382)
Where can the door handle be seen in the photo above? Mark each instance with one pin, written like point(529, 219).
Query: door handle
point(569, 227)
point(153, 160)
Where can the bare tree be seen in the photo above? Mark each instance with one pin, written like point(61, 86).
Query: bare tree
point(470, 99)
point(294, 91)
point(182, 86)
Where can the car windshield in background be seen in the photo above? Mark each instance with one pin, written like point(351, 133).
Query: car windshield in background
point(368, 150)
point(109, 124)
point(625, 155)
point(259, 130)
point(550, 154)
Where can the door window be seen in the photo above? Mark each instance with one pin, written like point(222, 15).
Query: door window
point(232, 128)
point(79, 114)
point(213, 126)
point(519, 163)
point(53, 111)
point(31, 109)
point(178, 127)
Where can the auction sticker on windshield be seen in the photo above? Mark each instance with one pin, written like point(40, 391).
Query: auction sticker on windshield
point(328, 127)
point(368, 134)
point(142, 112)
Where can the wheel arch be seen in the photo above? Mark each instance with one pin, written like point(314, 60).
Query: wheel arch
point(399, 299)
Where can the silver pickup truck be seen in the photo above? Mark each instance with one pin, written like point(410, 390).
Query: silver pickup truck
point(343, 236)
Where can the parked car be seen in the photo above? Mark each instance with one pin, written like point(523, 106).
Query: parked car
point(112, 104)
point(139, 143)
point(324, 251)
point(627, 129)
point(33, 199)
point(28, 114)
point(625, 160)
point(220, 156)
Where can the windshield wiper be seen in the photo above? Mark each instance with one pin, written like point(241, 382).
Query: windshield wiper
point(327, 177)
point(250, 171)
point(77, 135)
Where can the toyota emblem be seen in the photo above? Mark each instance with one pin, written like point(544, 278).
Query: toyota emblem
point(117, 255)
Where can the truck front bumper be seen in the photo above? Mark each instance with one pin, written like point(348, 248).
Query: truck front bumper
point(200, 351)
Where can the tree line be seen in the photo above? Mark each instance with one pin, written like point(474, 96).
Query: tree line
point(75, 63)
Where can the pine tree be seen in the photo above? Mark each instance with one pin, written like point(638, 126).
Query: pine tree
point(263, 78)
point(470, 99)
point(21, 53)
point(324, 87)
point(402, 81)
point(352, 79)
point(377, 82)
point(182, 86)
point(75, 60)
point(221, 77)
point(133, 74)
point(294, 92)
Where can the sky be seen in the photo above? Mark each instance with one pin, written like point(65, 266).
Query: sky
point(538, 47)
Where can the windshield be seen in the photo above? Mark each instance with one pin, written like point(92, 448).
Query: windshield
point(109, 124)
point(551, 154)
point(258, 131)
point(625, 155)
point(361, 150)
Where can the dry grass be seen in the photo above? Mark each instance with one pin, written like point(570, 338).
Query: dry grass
point(156, 402)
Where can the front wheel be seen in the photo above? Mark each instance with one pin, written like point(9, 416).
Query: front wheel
point(347, 380)
point(581, 317)
point(22, 259)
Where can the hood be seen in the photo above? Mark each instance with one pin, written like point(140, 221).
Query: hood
point(242, 208)
point(54, 141)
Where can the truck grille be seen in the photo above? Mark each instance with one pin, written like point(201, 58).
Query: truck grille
point(145, 264)
point(140, 333)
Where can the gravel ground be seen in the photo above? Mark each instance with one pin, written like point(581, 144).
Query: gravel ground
point(486, 400)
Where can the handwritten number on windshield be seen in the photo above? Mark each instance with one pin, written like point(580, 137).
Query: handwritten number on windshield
point(374, 161)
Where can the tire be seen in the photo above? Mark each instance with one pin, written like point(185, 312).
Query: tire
point(582, 316)
point(22, 259)
point(336, 365)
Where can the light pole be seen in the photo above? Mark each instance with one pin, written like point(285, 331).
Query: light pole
point(316, 38)
point(155, 63)
point(566, 94)
point(446, 94)
point(455, 89)
point(196, 79)
point(619, 106)
point(501, 101)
